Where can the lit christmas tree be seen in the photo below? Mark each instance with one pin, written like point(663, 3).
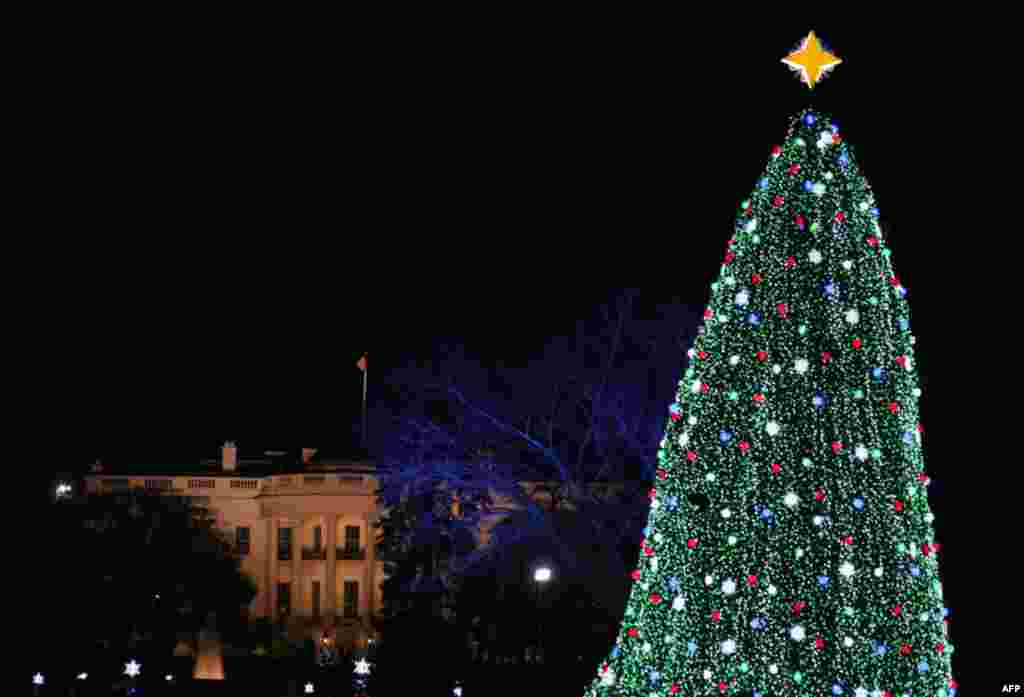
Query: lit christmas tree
point(789, 548)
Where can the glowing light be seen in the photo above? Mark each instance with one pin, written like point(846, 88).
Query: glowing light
point(542, 575)
point(37, 679)
point(132, 669)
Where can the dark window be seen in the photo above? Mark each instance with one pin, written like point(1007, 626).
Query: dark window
point(316, 599)
point(284, 544)
point(242, 540)
point(284, 598)
point(352, 537)
point(351, 598)
point(318, 537)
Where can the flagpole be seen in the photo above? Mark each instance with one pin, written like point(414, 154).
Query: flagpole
point(365, 370)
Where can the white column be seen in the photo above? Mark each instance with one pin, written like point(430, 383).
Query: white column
point(330, 584)
point(298, 591)
point(272, 568)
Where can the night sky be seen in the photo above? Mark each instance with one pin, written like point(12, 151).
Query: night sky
point(237, 226)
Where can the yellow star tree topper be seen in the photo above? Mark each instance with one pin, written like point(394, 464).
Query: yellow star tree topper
point(811, 60)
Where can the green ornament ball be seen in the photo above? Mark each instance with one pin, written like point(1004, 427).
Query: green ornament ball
point(744, 667)
point(876, 453)
point(886, 252)
point(901, 547)
point(873, 300)
point(798, 677)
point(802, 329)
point(815, 227)
point(733, 396)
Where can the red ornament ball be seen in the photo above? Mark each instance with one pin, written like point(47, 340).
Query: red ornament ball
point(729, 256)
point(872, 241)
point(708, 313)
point(636, 574)
point(776, 150)
point(762, 356)
point(783, 309)
point(856, 343)
point(894, 407)
point(716, 616)
point(776, 468)
point(691, 456)
point(692, 543)
point(840, 217)
point(898, 505)
point(662, 474)
point(825, 357)
point(794, 169)
point(905, 650)
point(790, 262)
point(778, 201)
point(744, 446)
point(655, 598)
point(837, 446)
point(755, 279)
point(819, 495)
point(633, 631)
point(752, 580)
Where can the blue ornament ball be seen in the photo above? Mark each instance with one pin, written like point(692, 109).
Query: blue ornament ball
point(754, 319)
point(724, 437)
point(875, 212)
point(858, 503)
point(763, 184)
point(809, 119)
point(808, 185)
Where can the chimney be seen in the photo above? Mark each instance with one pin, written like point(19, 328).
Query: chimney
point(307, 455)
point(229, 456)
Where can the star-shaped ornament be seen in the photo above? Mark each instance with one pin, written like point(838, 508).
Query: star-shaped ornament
point(811, 60)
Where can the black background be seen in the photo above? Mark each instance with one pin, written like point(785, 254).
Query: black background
point(219, 221)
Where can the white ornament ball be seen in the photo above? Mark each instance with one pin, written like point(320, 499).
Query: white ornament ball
point(863, 205)
point(732, 539)
point(929, 517)
point(684, 439)
point(776, 368)
point(658, 537)
point(733, 360)
point(710, 476)
point(815, 256)
point(772, 428)
point(852, 316)
point(729, 586)
point(752, 225)
point(608, 678)
point(791, 499)
point(691, 353)
point(917, 391)
point(847, 264)
point(861, 453)
point(818, 520)
point(708, 580)
point(819, 189)
point(647, 647)
point(878, 572)
point(726, 513)
point(846, 569)
point(654, 563)
point(679, 603)
point(773, 669)
point(728, 647)
point(801, 365)
point(743, 298)
point(829, 176)
point(772, 590)
point(797, 633)
point(799, 554)
point(695, 387)
point(692, 421)
point(707, 674)
point(847, 642)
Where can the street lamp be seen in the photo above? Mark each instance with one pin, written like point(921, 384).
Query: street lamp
point(541, 576)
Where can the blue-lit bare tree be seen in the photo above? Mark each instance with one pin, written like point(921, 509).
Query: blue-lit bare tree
point(463, 445)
